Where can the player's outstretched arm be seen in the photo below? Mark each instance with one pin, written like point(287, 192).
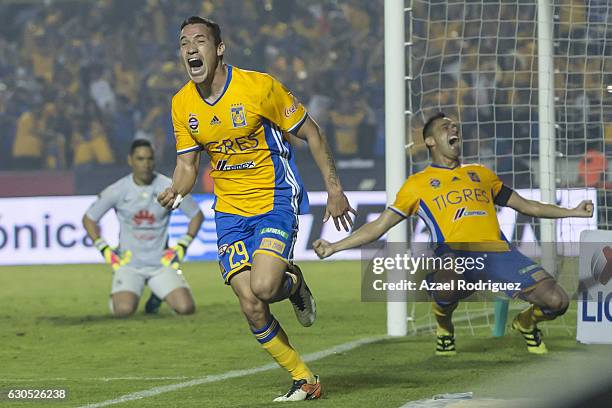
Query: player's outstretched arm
point(539, 209)
point(338, 206)
point(185, 174)
point(369, 232)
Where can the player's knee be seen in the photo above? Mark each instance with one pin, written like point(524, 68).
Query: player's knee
point(186, 307)
point(123, 309)
point(557, 303)
point(263, 290)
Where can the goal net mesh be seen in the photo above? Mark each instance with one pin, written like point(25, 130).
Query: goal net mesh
point(477, 61)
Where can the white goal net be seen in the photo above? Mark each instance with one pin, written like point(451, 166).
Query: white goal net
point(478, 62)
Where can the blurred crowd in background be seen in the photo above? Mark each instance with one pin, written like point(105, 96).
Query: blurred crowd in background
point(79, 80)
point(478, 61)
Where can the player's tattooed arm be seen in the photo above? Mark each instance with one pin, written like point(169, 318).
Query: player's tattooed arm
point(332, 182)
point(338, 207)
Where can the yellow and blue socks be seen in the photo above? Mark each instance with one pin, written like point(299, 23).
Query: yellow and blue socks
point(273, 339)
point(533, 314)
point(444, 316)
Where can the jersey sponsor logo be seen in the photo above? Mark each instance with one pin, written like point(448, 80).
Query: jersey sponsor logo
point(273, 245)
point(455, 197)
point(435, 183)
point(276, 231)
point(194, 123)
point(222, 165)
point(215, 121)
point(293, 108)
point(462, 212)
point(238, 115)
point(143, 216)
point(239, 144)
point(528, 269)
point(473, 176)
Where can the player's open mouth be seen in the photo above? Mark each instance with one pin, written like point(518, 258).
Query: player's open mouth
point(453, 140)
point(196, 65)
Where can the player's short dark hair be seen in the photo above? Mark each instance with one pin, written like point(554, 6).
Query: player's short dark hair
point(214, 27)
point(140, 143)
point(428, 128)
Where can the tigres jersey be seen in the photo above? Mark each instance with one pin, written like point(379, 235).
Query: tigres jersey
point(456, 204)
point(243, 131)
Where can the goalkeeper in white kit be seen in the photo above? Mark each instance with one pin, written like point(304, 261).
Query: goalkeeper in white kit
point(143, 256)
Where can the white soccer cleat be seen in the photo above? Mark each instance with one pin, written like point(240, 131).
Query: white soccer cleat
point(300, 391)
point(303, 302)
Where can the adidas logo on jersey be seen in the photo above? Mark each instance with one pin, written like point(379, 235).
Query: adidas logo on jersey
point(456, 179)
point(215, 121)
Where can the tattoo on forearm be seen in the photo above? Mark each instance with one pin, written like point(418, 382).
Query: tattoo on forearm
point(333, 176)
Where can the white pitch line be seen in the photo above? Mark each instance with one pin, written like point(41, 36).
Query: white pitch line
point(231, 374)
point(243, 373)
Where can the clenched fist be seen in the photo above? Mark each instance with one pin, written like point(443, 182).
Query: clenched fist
point(323, 248)
point(584, 209)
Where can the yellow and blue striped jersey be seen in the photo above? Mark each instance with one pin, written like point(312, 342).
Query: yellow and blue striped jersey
point(244, 133)
point(456, 204)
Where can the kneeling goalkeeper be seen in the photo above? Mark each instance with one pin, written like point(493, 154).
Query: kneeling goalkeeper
point(143, 256)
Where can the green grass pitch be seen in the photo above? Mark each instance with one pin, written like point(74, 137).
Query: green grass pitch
point(56, 332)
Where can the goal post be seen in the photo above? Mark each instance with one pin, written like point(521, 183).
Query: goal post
point(395, 137)
point(546, 109)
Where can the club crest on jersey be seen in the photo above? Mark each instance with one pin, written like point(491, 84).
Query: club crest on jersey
point(238, 115)
point(435, 183)
point(473, 176)
point(194, 123)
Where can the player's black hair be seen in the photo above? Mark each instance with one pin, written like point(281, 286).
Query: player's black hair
point(428, 125)
point(140, 143)
point(427, 129)
point(214, 27)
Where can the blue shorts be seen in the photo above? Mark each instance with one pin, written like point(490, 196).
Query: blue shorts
point(506, 267)
point(240, 238)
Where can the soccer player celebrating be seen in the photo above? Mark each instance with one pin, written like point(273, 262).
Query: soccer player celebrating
point(457, 203)
point(241, 119)
point(142, 256)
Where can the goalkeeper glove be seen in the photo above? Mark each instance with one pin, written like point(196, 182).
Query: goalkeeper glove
point(174, 256)
point(114, 259)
